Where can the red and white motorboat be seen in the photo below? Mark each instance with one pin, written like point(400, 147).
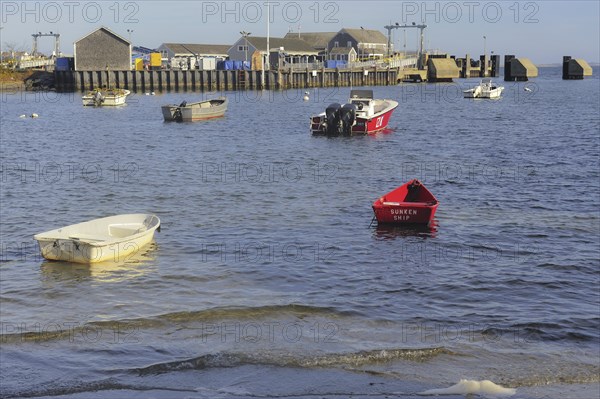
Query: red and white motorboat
point(361, 115)
point(411, 203)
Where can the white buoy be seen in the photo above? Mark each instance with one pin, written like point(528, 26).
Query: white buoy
point(152, 93)
point(34, 115)
point(147, 94)
point(23, 116)
point(527, 89)
point(306, 97)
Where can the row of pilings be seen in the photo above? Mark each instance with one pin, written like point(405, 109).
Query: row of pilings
point(217, 80)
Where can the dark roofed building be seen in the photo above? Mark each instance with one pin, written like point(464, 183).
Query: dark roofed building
point(102, 49)
point(170, 50)
point(368, 43)
point(254, 48)
point(318, 40)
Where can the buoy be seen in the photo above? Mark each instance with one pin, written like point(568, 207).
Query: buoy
point(152, 93)
point(527, 89)
point(306, 97)
point(34, 115)
point(147, 94)
point(22, 116)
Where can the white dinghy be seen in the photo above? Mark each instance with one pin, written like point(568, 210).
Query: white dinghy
point(111, 238)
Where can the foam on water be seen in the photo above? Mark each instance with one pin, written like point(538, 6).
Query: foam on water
point(465, 387)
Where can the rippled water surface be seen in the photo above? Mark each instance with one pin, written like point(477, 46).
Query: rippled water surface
point(268, 277)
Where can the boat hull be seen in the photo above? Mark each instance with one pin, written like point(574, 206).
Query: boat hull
point(114, 238)
point(404, 213)
point(373, 124)
point(486, 89)
point(411, 203)
point(202, 110)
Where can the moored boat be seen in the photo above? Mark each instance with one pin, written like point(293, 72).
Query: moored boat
point(186, 112)
point(485, 89)
point(105, 97)
point(112, 238)
point(361, 115)
point(411, 203)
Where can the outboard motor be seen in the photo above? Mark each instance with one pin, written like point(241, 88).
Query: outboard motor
point(98, 98)
point(177, 114)
point(347, 118)
point(332, 118)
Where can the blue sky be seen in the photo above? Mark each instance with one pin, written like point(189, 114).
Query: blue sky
point(543, 31)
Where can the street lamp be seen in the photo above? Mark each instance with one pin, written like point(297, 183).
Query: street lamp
point(245, 34)
point(484, 57)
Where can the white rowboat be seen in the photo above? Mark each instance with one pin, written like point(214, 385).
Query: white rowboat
point(113, 238)
point(105, 97)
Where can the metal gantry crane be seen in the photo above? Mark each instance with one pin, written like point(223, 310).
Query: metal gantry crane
point(421, 42)
point(56, 42)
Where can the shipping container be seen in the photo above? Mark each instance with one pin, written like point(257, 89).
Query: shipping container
point(155, 59)
point(207, 64)
point(64, 64)
point(225, 65)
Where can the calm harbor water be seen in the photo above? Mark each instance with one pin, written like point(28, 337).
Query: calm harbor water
point(267, 278)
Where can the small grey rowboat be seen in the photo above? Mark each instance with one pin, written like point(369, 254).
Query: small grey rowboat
point(186, 112)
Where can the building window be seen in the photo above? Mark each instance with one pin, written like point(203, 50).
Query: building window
point(242, 48)
point(349, 43)
point(336, 44)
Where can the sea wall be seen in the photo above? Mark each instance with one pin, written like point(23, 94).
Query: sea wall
point(196, 80)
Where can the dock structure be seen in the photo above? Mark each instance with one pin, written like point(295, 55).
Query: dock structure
point(442, 69)
point(518, 69)
point(575, 68)
point(211, 80)
point(489, 67)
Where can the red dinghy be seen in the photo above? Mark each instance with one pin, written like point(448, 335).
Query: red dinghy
point(409, 203)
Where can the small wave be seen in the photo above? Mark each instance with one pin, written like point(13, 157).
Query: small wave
point(589, 375)
point(206, 315)
point(351, 359)
point(75, 387)
point(568, 331)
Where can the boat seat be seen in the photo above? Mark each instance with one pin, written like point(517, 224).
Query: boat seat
point(124, 230)
point(87, 237)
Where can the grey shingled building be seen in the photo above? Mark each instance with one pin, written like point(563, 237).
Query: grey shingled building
point(102, 49)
